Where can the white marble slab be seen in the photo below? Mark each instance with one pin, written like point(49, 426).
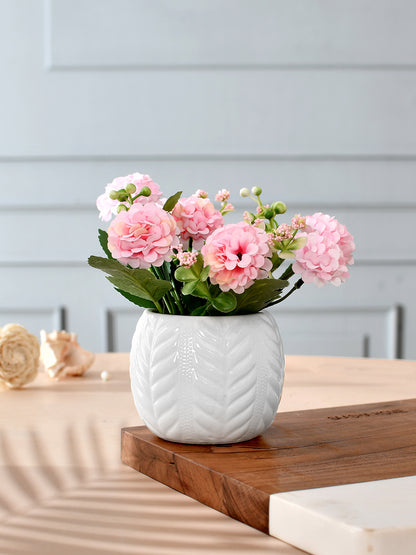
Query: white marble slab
point(377, 518)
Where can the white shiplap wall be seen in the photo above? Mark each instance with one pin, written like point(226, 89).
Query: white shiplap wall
point(314, 101)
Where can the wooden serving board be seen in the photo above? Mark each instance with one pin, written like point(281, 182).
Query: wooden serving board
point(301, 450)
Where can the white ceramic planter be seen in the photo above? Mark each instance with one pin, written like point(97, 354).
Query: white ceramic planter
point(207, 379)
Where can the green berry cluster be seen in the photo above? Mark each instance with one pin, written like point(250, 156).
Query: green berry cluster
point(263, 211)
point(127, 195)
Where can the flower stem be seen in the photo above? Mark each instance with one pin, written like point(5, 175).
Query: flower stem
point(177, 300)
point(297, 285)
point(173, 294)
point(288, 273)
point(206, 308)
point(170, 304)
point(174, 290)
point(155, 271)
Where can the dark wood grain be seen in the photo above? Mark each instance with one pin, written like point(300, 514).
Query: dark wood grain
point(301, 450)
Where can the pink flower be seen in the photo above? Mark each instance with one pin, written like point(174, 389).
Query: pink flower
point(237, 255)
point(259, 222)
point(200, 193)
point(247, 217)
point(298, 222)
point(196, 219)
point(187, 258)
point(222, 196)
point(284, 231)
point(327, 252)
point(143, 236)
point(108, 206)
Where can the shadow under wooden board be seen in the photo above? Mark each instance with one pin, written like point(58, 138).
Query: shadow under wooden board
point(301, 450)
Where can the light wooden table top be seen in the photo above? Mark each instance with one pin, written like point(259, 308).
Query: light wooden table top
point(64, 489)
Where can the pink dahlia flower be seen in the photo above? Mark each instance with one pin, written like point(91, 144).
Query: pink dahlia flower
point(327, 253)
point(108, 206)
point(237, 254)
point(143, 236)
point(197, 219)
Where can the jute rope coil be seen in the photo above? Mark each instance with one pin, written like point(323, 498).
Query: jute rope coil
point(19, 356)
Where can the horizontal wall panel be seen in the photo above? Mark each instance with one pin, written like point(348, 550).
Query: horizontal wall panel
point(70, 236)
point(212, 113)
point(100, 33)
point(317, 183)
point(34, 318)
point(48, 236)
point(121, 324)
point(355, 332)
point(82, 290)
point(361, 331)
point(88, 298)
point(319, 343)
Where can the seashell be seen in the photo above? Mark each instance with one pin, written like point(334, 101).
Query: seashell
point(19, 356)
point(62, 355)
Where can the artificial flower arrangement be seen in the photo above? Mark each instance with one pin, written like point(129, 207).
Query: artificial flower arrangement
point(177, 256)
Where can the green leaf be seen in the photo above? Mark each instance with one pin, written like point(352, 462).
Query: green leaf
point(191, 303)
point(203, 276)
point(288, 273)
point(171, 202)
point(286, 255)
point(195, 279)
point(276, 261)
point(136, 300)
point(298, 243)
point(194, 272)
point(103, 239)
point(184, 274)
point(200, 310)
point(138, 282)
point(259, 295)
point(202, 290)
point(225, 302)
point(189, 287)
point(145, 289)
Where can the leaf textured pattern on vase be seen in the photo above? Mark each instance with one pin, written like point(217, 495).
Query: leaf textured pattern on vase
point(207, 380)
point(271, 381)
point(210, 385)
point(240, 367)
point(166, 380)
point(140, 356)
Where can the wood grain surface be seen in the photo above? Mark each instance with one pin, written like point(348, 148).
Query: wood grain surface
point(301, 450)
